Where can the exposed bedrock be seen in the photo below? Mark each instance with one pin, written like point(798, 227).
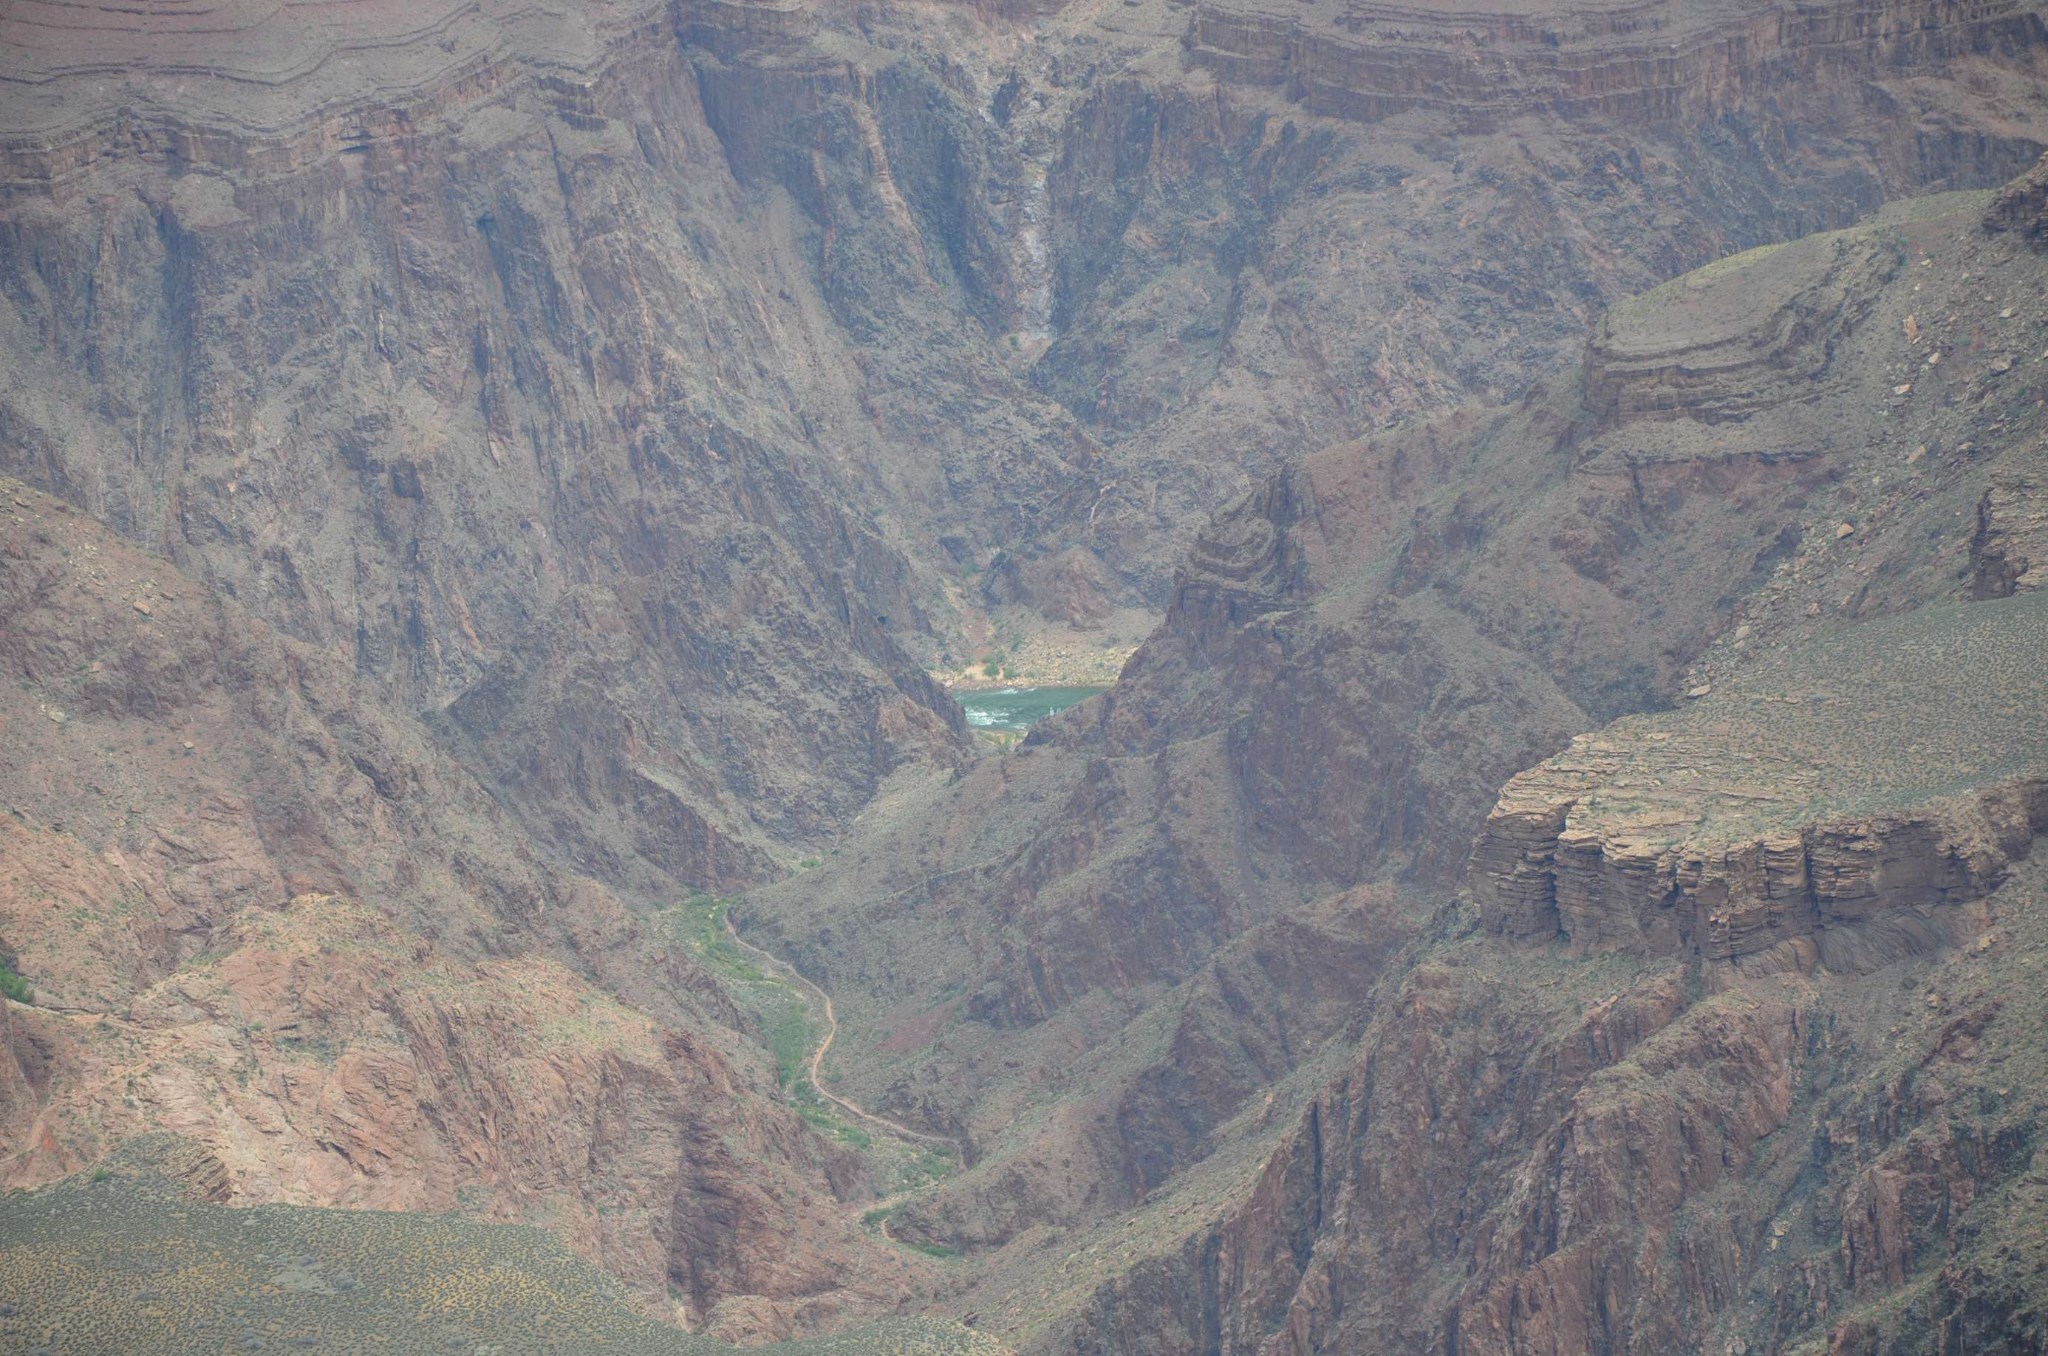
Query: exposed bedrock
point(1186, 276)
point(2009, 554)
point(1650, 62)
point(1359, 656)
point(1834, 807)
point(1531, 1153)
point(2022, 207)
point(1712, 355)
point(260, 908)
point(476, 393)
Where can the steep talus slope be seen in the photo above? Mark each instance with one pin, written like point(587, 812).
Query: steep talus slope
point(259, 909)
point(1357, 658)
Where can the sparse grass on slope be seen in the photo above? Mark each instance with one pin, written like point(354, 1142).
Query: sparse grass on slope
point(117, 1264)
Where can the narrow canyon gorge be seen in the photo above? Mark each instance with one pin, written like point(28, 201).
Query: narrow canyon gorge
point(1059, 677)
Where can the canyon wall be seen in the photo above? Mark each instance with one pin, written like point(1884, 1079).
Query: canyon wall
point(1760, 524)
point(258, 909)
point(562, 439)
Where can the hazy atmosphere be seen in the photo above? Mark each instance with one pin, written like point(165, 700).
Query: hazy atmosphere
point(1023, 677)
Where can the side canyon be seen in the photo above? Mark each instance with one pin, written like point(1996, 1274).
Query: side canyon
point(486, 487)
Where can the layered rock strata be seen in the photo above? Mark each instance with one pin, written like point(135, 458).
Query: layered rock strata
point(2009, 554)
point(2022, 207)
point(1359, 656)
point(1633, 62)
point(1862, 788)
point(1704, 351)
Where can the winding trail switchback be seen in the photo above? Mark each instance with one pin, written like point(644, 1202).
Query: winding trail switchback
point(795, 978)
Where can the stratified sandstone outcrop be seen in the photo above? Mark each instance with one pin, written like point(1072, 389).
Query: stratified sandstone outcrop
point(1748, 341)
point(1830, 805)
point(1639, 61)
point(2009, 554)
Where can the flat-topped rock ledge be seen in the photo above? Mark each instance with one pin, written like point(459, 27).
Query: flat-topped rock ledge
point(1836, 806)
point(1650, 60)
point(260, 86)
point(1745, 335)
point(728, 27)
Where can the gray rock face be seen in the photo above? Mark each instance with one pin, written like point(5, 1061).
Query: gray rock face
point(2022, 207)
point(639, 391)
point(1836, 806)
point(486, 389)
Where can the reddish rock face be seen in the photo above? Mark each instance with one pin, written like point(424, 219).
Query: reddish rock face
point(1580, 1105)
point(1544, 1164)
point(487, 472)
point(263, 912)
point(1770, 824)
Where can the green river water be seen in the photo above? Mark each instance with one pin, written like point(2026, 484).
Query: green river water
point(1015, 709)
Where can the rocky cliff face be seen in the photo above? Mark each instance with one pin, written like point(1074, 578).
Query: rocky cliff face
point(2021, 206)
point(1690, 521)
point(1646, 64)
point(1742, 1138)
point(1358, 655)
point(703, 227)
point(262, 911)
point(485, 472)
point(1514, 173)
point(485, 345)
point(1545, 1157)
point(470, 384)
point(1816, 806)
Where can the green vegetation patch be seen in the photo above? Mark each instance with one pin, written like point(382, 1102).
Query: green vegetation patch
point(938, 1250)
point(782, 1013)
point(13, 985)
point(791, 1029)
